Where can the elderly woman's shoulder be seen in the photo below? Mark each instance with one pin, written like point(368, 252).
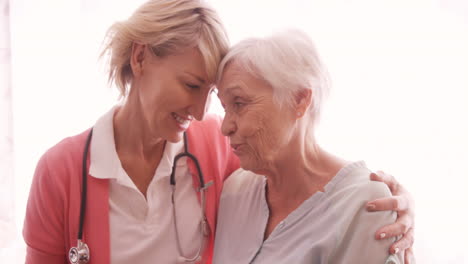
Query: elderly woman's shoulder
point(242, 181)
point(354, 182)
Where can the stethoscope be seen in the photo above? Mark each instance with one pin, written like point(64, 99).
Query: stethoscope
point(80, 253)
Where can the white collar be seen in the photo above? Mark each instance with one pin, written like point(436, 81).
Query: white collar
point(105, 163)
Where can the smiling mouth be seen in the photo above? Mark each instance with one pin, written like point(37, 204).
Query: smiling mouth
point(183, 122)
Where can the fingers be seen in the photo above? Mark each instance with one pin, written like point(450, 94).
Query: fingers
point(404, 243)
point(403, 224)
point(409, 256)
point(388, 179)
point(393, 203)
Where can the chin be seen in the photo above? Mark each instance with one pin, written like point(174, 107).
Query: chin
point(175, 137)
point(254, 165)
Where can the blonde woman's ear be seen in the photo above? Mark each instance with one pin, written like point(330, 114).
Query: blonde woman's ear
point(137, 58)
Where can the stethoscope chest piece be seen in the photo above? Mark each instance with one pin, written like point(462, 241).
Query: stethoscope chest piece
point(79, 254)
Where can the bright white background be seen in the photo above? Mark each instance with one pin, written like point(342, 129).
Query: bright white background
point(399, 99)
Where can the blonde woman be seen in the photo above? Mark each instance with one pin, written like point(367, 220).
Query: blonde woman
point(163, 59)
point(123, 194)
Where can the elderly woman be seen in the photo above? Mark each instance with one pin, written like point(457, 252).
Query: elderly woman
point(292, 201)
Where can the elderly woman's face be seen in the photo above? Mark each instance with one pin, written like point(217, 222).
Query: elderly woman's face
point(257, 127)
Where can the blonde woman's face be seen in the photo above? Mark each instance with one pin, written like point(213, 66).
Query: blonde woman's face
point(256, 126)
point(172, 91)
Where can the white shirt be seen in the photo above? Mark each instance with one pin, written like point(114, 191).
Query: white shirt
point(142, 230)
point(329, 227)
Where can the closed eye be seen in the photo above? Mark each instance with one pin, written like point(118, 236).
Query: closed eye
point(192, 86)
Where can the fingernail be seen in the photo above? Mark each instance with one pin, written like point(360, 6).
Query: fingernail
point(370, 206)
point(382, 235)
point(396, 250)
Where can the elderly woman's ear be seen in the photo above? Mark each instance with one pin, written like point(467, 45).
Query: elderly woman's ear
point(302, 100)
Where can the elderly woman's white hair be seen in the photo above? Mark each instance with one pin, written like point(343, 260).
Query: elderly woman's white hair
point(167, 26)
point(288, 61)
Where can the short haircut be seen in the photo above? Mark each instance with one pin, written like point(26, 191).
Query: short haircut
point(167, 27)
point(288, 61)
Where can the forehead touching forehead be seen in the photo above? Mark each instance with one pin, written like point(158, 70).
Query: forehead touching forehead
point(230, 72)
point(233, 78)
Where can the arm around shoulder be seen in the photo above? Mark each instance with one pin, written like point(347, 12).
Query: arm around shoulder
point(358, 244)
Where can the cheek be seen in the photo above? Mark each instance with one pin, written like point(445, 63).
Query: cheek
point(265, 140)
point(267, 133)
point(161, 96)
point(260, 136)
point(150, 91)
point(250, 123)
point(155, 103)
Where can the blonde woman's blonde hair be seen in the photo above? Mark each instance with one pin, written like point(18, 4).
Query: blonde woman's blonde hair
point(167, 27)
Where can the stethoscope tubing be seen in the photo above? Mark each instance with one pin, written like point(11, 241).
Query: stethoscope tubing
point(84, 188)
point(80, 253)
point(186, 153)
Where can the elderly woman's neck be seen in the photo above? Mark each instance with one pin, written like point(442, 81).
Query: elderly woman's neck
point(302, 169)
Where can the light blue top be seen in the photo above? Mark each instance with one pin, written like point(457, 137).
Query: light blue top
point(329, 227)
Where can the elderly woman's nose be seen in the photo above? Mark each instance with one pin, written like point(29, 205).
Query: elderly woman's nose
point(228, 126)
